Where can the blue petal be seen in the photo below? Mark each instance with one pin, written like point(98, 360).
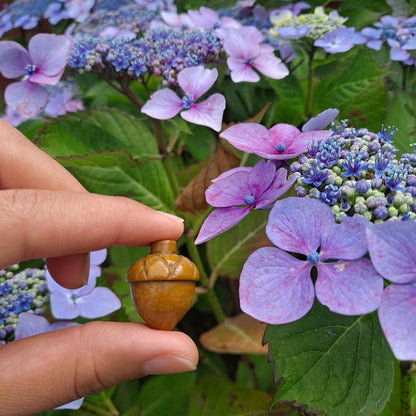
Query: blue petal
point(275, 287)
point(100, 302)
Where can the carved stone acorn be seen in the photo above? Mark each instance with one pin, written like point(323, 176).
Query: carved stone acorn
point(162, 285)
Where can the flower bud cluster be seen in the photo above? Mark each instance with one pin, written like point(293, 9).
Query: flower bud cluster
point(20, 291)
point(356, 171)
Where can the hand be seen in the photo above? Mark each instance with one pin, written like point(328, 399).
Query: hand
point(46, 213)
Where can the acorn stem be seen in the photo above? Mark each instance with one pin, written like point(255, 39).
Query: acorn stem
point(163, 246)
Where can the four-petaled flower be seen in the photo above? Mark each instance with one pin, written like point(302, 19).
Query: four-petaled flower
point(245, 52)
point(276, 287)
point(237, 191)
point(89, 301)
point(43, 63)
point(194, 82)
point(392, 249)
point(282, 141)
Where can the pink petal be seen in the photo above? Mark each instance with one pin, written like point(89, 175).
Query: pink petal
point(275, 287)
point(241, 71)
point(197, 80)
point(297, 224)
point(278, 187)
point(321, 121)
point(345, 241)
point(100, 302)
point(250, 138)
point(219, 221)
point(207, 113)
point(26, 97)
point(261, 177)
point(349, 287)
point(204, 17)
point(229, 191)
point(283, 133)
point(231, 172)
point(271, 66)
point(243, 42)
point(13, 59)
point(397, 314)
point(49, 54)
point(392, 250)
point(163, 104)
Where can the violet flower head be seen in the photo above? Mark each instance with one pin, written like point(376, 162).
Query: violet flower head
point(89, 301)
point(341, 39)
point(194, 82)
point(245, 51)
point(43, 63)
point(276, 287)
point(237, 191)
point(282, 141)
point(392, 249)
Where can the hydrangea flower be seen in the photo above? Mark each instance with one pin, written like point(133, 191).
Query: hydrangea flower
point(30, 324)
point(194, 82)
point(282, 141)
point(276, 287)
point(341, 39)
point(43, 63)
point(245, 51)
point(392, 250)
point(89, 301)
point(237, 191)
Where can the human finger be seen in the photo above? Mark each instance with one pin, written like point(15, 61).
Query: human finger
point(85, 360)
point(52, 223)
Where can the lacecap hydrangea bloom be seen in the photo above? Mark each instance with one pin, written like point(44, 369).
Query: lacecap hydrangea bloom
point(276, 286)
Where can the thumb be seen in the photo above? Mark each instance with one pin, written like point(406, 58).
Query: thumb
point(64, 365)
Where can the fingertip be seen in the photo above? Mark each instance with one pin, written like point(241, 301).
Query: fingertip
point(70, 271)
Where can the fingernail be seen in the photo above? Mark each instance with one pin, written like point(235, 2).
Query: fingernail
point(167, 364)
point(174, 217)
point(86, 271)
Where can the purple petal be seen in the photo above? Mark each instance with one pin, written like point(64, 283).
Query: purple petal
point(250, 138)
point(398, 54)
point(278, 187)
point(49, 54)
point(100, 302)
point(219, 221)
point(243, 42)
point(271, 66)
point(97, 257)
point(398, 320)
point(229, 191)
point(261, 177)
point(26, 97)
point(30, 324)
point(54, 326)
point(207, 113)
point(297, 224)
point(197, 80)
point(345, 241)
point(303, 139)
point(62, 306)
point(275, 287)
point(241, 71)
point(349, 287)
point(231, 172)
point(163, 104)
point(13, 59)
point(204, 17)
point(321, 121)
point(392, 250)
point(74, 405)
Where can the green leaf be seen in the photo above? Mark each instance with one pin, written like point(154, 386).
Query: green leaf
point(94, 131)
point(216, 396)
point(228, 252)
point(166, 395)
point(358, 91)
point(116, 173)
point(338, 364)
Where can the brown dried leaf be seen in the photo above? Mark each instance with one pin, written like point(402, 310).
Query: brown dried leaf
point(192, 198)
point(239, 335)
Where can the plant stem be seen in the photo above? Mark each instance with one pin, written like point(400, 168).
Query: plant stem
point(110, 405)
point(308, 108)
point(167, 163)
point(210, 294)
point(95, 410)
point(405, 389)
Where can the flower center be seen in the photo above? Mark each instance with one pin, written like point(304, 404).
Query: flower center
point(280, 148)
point(313, 258)
point(30, 69)
point(249, 199)
point(187, 101)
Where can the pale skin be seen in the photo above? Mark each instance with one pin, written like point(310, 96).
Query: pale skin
point(46, 213)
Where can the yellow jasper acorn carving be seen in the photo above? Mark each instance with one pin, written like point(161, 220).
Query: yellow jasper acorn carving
point(162, 285)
